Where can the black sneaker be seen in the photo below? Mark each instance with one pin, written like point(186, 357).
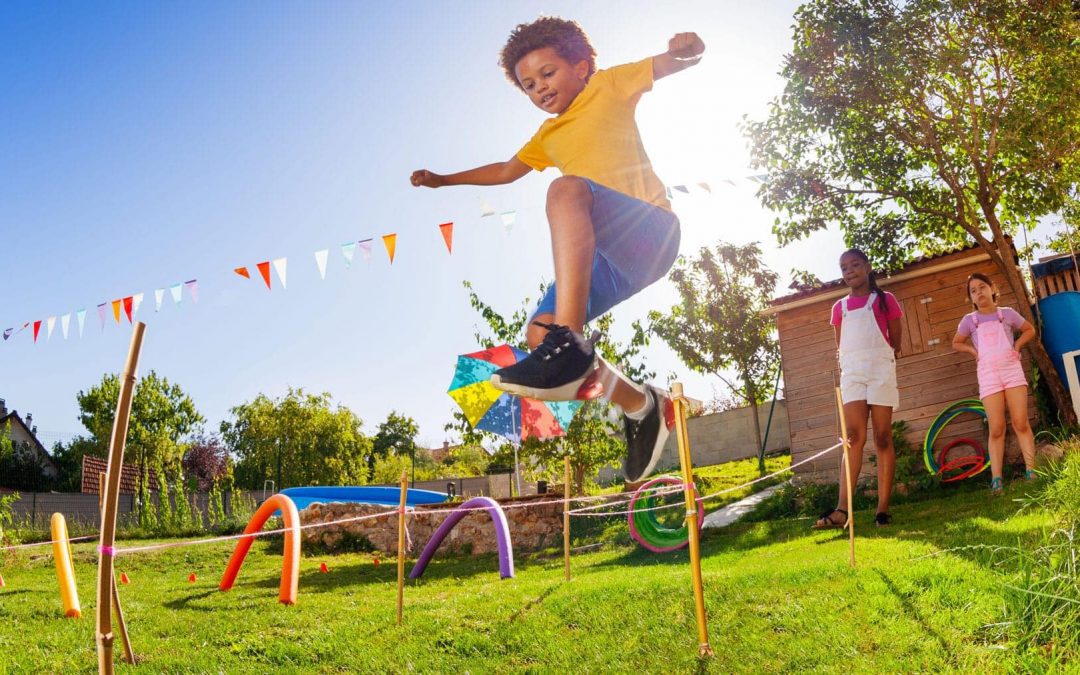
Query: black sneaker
point(645, 438)
point(555, 370)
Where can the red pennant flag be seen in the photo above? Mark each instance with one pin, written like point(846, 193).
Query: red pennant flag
point(323, 568)
point(124, 578)
point(390, 241)
point(127, 307)
point(116, 310)
point(37, 327)
point(242, 271)
point(264, 270)
point(447, 230)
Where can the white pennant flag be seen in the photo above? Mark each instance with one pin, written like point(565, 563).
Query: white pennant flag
point(279, 267)
point(485, 208)
point(136, 300)
point(159, 294)
point(176, 290)
point(508, 219)
point(81, 316)
point(320, 260)
point(49, 323)
point(64, 322)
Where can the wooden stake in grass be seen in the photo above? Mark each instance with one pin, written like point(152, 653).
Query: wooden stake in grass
point(685, 461)
point(401, 546)
point(847, 477)
point(566, 514)
point(129, 654)
point(106, 582)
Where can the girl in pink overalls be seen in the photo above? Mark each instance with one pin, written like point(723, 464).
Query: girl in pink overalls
point(867, 327)
point(987, 334)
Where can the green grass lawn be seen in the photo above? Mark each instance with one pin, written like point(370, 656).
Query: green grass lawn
point(923, 597)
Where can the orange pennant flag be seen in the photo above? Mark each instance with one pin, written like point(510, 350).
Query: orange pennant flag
point(264, 270)
point(447, 230)
point(390, 240)
point(127, 307)
point(242, 271)
point(116, 310)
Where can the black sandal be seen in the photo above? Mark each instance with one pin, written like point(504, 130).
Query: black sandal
point(883, 518)
point(829, 523)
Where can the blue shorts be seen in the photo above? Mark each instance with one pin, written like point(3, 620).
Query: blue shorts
point(636, 244)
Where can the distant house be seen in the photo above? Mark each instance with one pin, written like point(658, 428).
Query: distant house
point(930, 375)
point(24, 436)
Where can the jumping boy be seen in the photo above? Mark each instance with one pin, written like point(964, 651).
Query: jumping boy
point(612, 229)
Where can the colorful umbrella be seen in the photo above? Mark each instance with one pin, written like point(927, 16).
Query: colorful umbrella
point(501, 413)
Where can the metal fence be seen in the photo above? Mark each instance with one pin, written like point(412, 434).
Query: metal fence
point(36, 508)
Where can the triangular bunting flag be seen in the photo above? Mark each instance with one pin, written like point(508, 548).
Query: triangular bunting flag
point(127, 308)
point(159, 295)
point(65, 321)
point(37, 327)
point(447, 230)
point(390, 241)
point(242, 271)
point(348, 249)
point(116, 309)
point(193, 289)
point(177, 292)
point(705, 187)
point(365, 248)
point(264, 270)
point(508, 219)
point(320, 260)
point(485, 209)
point(50, 323)
point(681, 188)
point(7, 333)
point(101, 314)
point(81, 316)
point(667, 191)
point(279, 267)
point(136, 303)
point(730, 182)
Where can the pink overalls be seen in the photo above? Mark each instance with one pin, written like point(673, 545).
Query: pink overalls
point(867, 361)
point(999, 364)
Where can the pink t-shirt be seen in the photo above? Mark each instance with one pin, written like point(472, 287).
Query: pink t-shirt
point(884, 316)
point(1012, 318)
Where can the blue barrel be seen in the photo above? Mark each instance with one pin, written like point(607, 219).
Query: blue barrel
point(1061, 326)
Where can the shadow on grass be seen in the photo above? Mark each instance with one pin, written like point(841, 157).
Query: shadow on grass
point(913, 612)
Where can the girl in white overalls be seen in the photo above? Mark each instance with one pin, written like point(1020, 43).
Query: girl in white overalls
point(987, 334)
point(867, 378)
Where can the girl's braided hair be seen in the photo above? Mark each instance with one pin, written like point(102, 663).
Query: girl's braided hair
point(566, 37)
point(870, 277)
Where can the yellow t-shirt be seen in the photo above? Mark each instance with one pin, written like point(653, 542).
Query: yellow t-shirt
point(597, 138)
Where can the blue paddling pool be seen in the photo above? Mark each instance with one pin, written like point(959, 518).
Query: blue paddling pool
point(361, 494)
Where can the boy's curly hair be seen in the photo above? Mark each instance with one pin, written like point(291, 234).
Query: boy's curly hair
point(564, 35)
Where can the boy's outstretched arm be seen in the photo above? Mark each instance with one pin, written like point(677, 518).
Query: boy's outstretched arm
point(684, 50)
point(498, 173)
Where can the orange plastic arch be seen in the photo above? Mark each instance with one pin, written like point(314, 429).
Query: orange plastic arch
point(290, 566)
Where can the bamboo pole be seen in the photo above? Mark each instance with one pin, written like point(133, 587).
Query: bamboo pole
point(566, 515)
point(401, 547)
point(847, 477)
point(685, 461)
point(106, 580)
point(129, 654)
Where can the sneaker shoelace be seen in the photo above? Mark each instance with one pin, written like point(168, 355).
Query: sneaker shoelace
point(557, 339)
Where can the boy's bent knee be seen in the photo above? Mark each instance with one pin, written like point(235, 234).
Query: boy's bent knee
point(568, 187)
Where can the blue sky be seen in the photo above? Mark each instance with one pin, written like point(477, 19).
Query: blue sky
point(146, 144)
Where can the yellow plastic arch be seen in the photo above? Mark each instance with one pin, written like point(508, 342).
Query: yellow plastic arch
point(65, 573)
point(290, 566)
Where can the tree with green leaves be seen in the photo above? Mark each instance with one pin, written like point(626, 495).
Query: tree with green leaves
point(397, 435)
point(162, 415)
point(298, 439)
point(718, 325)
point(926, 125)
point(593, 440)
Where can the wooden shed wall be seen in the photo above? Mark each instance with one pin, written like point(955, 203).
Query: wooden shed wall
point(929, 374)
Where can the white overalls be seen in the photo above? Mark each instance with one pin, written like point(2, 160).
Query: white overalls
point(867, 361)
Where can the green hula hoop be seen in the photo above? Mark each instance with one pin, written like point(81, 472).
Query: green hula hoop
point(951, 412)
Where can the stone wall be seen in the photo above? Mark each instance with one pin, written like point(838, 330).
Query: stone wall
point(535, 523)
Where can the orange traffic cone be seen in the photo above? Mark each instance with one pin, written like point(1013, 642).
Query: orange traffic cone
point(376, 561)
point(124, 578)
point(2, 584)
point(323, 568)
point(191, 578)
